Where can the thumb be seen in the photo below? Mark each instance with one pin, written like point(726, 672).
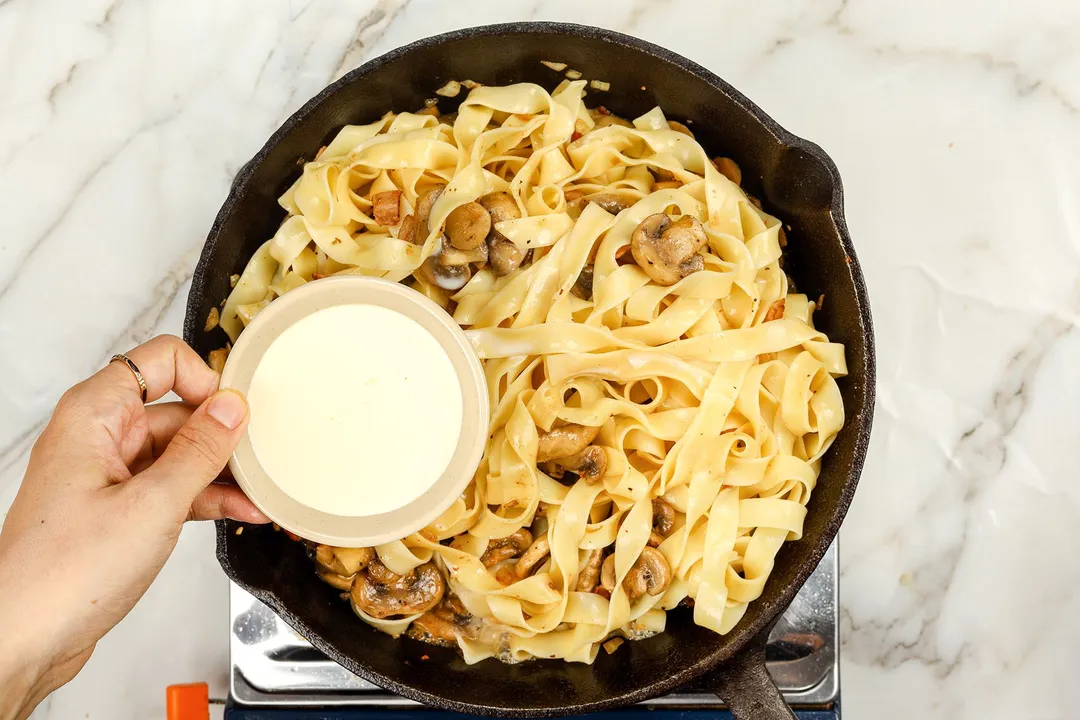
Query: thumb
point(200, 449)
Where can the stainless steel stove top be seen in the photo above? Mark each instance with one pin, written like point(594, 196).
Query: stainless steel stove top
point(273, 666)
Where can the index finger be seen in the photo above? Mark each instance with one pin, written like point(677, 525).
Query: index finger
point(166, 363)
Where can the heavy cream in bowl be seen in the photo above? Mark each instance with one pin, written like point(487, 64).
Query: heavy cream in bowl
point(368, 411)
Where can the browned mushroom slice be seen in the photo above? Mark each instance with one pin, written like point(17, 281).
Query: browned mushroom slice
point(381, 594)
point(505, 548)
point(447, 277)
point(589, 577)
point(386, 207)
point(407, 230)
point(562, 442)
point(451, 608)
point(504, 256)
point(450, 255)
point(434, 630)
point(607, 574)
point(337, 581)
point(501, 206)
point(729, 169)
point(532, 557)
point(679, 127)
point(424, 203)
point(668, 251)
point(663, 517)
point(650, 574)
point(662, 175)
point(468, 226)
point(613, 201)
point(590, 464)
point(343, 561)
point(380, 573)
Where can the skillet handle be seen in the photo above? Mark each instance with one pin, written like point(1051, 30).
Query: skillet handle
point(745, 685)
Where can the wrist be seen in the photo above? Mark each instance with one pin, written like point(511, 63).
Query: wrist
point(23, 665)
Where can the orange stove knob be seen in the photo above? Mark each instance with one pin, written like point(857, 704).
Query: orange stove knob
point(187, 702)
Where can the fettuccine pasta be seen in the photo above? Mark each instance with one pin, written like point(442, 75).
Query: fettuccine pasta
point(661, 400)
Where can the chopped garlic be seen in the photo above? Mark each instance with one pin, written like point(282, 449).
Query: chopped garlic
point(556, 66)
point(599, 85)
point(573, 74)
point(212, 320)
point(450, 89)
point(470, 84)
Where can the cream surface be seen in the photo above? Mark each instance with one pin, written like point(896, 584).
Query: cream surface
point(355, 410)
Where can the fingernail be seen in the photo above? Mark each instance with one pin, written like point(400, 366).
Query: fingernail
point(228, 407)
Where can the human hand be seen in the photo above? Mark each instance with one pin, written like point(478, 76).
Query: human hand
point(109, 485)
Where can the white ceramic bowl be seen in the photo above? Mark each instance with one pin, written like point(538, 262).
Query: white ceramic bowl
point(368, 530)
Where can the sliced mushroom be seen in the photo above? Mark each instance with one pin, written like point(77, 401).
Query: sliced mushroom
point(500, 549)
point(589, 576)
point(729, 169)
point(590, 464)
point(562, 442)
point(450, 255)
point(447, 277)
point(424, 203)
point(614, 201)
point(501, 206)
point(532, 557)
point(650, 574)
point(663, 517)
point(343, 561)
point(434, 630)
point(607, 574)
point(451, 608)
point(668, 251)
point(380, 593)
point(679, 127)
point(340, 582)
point(504, 256)
point(407, 230)
point(380, 573)
point(386, 207)
point(468, 225)
point(583, 285)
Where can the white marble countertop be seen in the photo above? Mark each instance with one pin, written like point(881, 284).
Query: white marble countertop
point(956, 127)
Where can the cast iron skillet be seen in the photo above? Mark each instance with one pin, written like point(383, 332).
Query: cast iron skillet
point(797, 181)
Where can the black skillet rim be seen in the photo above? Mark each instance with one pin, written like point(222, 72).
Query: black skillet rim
point(773, 607)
